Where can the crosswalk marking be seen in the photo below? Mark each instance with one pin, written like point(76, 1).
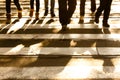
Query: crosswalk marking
point(38, 49)
point(86, 52)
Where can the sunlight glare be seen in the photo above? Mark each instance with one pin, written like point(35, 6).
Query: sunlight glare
point(18, 25)
point(36, 48)
point(15, 49)
point(73, 43)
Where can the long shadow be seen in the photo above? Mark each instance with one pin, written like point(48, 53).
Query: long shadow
point(108, 66)
point(57, 63)
point(40, 21)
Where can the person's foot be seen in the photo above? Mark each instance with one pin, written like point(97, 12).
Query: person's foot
point(64, 27)
point(81, 20)
point(8, 16)
point(93, 13)
point(52, 14)
point(36, 15)
point(46, 13)
point(69, 21)
point(19, 14)
point(31, 12)
point(96, 20)
point(105, 24)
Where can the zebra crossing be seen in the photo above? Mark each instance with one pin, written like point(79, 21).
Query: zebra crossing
point(38, 49)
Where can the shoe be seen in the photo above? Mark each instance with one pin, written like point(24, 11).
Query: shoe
point(69, 21)
point(81, 20)
point(64, 27)
point(105, 24)
point(8, 16)
point(52, 14)
point(19, 14)
point(92, 13)
point(96, 20)
point(46, 13)
point(31, 12)
point(36, 15)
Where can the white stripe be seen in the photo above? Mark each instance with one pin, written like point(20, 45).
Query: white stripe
point(37, 49)
point(61, 36)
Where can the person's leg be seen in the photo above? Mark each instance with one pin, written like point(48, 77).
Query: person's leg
point(31, 4)
point(93, 6)
point(37, 9)
point(8, 6)
point(37, 5)
point(16, 2)
point(31, 8)
point(82, 11)
point(71, 8)
point(107, 13)
point(63, 13)
point(82, 7)
point(8, 11)
point(46, 7)
point(52, 8)
point(99, 10)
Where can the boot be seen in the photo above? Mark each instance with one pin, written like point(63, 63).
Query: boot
point(46, 13)
point(19, 14)
point(52, 14)
point(105, 24)
point(36, 15)
point(31, 12)
point(81, 20)
point(96, 20)
point(8, 16)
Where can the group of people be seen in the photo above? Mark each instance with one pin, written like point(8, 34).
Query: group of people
point(17, 4)
point(66, 10)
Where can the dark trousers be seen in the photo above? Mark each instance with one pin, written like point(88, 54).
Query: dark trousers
point(37, 5)
point(66, 10)
point(8, 5)
point(82, 6)
point(105, 5)
point(52, 4)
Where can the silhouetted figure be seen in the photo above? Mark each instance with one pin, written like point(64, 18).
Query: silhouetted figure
point(52, 3)
point(32, 8)
point(66, 10)
point(8, 9)
point(82, 9)
point(105, 5)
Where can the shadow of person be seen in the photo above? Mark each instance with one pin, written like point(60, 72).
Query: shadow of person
point(40, 21)
point(50, 65)
point(106, 30)
point(50, 21)
point(108, 66)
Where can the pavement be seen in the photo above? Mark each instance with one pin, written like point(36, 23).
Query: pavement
point(38, 49)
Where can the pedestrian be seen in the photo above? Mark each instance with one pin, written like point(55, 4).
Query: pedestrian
point(66, 10)
point(32, 8)
point(52, 3)
point(8, 9)
point(105, 5)
point(82, 9)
